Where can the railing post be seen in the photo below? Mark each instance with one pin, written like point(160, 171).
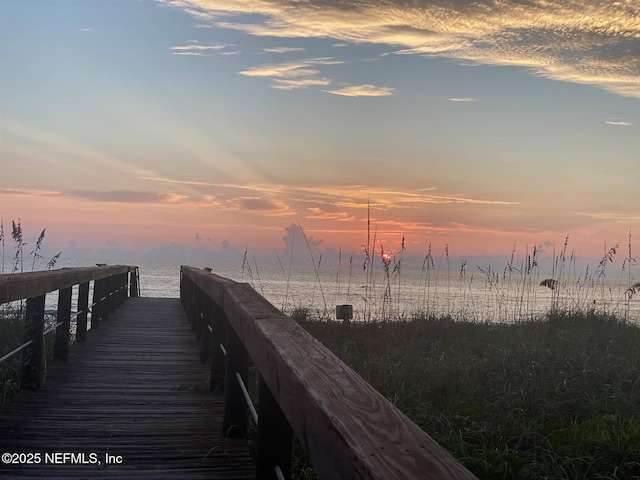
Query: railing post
point(111, 286)
point(275, 436)
point(97, 309)
point(218, 334)
point(201, 298)
point(133, 283)
point(83, 308)
point(121, 285)
point(205, 335)
point(194, 311)
point(34, 368)
point(61, 346)
point(234, 424)
point(183, 287)
point(188, 295)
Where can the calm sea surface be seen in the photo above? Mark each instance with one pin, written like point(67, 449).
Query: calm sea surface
point(381, 295)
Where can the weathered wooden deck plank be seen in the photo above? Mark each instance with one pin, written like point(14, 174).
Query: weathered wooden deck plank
point(137, 390)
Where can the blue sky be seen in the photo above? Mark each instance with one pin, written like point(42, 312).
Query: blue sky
point(470, 124)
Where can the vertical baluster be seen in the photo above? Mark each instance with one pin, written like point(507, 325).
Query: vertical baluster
point(235, 408)
point(34, 368)
point(83, 308)
point(61, 346)
point(275, 436)
point(218, 334)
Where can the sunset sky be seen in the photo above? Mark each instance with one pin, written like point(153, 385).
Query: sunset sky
point(216, 124)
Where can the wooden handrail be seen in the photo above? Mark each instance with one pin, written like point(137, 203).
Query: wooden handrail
point(17, 286)
point(109, 291)
point(348, 429)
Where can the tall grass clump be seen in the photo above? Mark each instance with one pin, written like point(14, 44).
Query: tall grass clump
point(554, 398)
point(12, 315)
point(11, 337)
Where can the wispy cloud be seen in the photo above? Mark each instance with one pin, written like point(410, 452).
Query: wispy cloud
point(348, 196)
point(200, 50)
point(108, 196)
point(298, 68)
point(462, 99)
point(87, 29)
point(581, 41)
point(619, 123)
point(260, 205)
point(295, 74)
point(365, 90)
point(292, 84)
point(283, 50)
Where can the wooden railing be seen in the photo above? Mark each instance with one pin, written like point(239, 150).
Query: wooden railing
point(348, 429)
point(111, 284)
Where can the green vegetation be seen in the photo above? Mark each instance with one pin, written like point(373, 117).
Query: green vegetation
point(12, 315)
point(11, 336)
point(554, 398)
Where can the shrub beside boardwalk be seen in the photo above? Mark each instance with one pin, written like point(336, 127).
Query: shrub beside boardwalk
point(556, 398)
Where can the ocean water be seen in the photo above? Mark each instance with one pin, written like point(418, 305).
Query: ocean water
point(387, 295)
point(380, 295)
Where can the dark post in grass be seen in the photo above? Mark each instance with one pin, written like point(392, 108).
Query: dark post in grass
point(61, 347)
point(83, 308)
point(34, 368)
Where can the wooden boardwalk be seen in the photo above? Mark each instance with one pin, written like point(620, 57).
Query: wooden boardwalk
point(137, 393)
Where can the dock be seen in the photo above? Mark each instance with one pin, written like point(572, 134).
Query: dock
point(180, 388)
point(132, 402)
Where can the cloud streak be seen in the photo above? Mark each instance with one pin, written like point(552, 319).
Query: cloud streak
point(200, 50)
point(282, 50)
point(593, 42)
point(106, 196)
point(365, 90)
point(294, 74)
point(619, 123)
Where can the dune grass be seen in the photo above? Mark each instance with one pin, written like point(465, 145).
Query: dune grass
point(555, 398)
point(11, 336)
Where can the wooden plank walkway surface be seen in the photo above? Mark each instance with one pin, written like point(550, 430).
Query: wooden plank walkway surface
point(136, 393)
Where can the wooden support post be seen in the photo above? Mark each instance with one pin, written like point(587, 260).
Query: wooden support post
point(124, 279)
point(205, 334)
point(34, 368)
point(97, 309)
point(234, 424)
point(183, 285)
point(275, 436)
point(133, 283)
point(188, 292)
point(125, 287)
point(104, 294)
point(111, 286)
point(120, 288)
point(219, 327)
point(200, 297)
point(194, 310)
point(61, 346)
point(83, 308)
